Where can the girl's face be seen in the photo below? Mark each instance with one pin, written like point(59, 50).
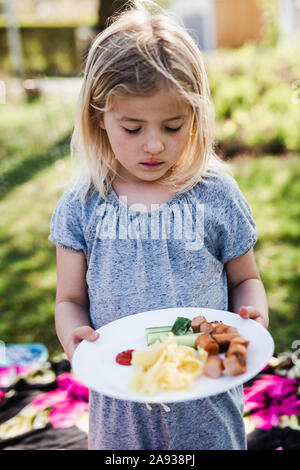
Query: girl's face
point(147, 134)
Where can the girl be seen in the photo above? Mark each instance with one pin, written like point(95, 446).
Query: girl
point(153, 222)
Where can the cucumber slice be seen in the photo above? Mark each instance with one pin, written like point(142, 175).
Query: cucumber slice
point(183, 340)
point(154, 333)
point(152, 337)
point(157, 330)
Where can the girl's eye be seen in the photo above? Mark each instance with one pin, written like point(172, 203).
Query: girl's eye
point(172, 129)
point(131, 131)
point(135, 131)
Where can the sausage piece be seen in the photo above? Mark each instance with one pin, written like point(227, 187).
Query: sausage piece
point(196, 322)
point(223, 340)
point(239, 350)
point(217, 337)
point(206, 327)
point(206, 342)
point(233, 366)
point(240, 340)
point(213, 366)
point(221, 328)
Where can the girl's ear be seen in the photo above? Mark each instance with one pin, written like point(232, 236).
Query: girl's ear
point(101, 123)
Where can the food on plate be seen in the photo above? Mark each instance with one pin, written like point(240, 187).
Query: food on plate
point(213, 366)
point(196, 323)
point(124, 357)
point(182, 340)
point(154, 333)
point(224, 339)
point(214, 337)
point(208, 343)
point(165, 365)
point(181, 326)
point(240, 340)
point(238, 350)
point(208, 327)
point(181, 329)
point(233, 366)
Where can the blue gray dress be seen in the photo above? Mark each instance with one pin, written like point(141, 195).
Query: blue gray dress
point(171, 256)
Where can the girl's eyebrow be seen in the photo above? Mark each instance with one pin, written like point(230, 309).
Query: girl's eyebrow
point(127, 118)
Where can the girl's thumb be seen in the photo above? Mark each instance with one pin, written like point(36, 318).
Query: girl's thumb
point(91, 335)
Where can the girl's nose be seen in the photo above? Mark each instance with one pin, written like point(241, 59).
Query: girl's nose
point(153, 146)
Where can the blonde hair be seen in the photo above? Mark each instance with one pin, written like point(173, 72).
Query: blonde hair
point(138, 51)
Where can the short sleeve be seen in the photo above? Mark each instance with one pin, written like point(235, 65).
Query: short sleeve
point(66, 224)
point(237, 229)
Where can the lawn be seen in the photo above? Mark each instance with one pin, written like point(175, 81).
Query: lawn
point(272, 187)
point(34, 164)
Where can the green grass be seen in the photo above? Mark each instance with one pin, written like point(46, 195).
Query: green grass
point(33, 136)
point(272, 188)
point(34, 144)
point(34, 162)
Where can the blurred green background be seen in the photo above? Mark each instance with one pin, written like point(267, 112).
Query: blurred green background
point(256, 91)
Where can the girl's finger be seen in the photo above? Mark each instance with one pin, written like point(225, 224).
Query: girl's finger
point(86, 332)
point(254, 314)
point(243, 312)
point(248, 312)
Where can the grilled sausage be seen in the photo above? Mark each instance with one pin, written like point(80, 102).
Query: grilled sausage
point(213, 366)
point(223, 340)
point(221, 328)
point(238, 350)
point(196, 322)
point(240, 340)
point(206, 327)
point(233, 366)
point(206, 342)
point(232, 329)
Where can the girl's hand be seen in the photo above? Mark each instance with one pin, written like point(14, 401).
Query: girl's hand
point(254, 314)
point(80, 333)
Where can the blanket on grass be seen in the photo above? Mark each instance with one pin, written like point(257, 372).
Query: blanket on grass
point(47, 408)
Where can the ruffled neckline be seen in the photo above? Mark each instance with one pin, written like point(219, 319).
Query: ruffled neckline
point(123, 206)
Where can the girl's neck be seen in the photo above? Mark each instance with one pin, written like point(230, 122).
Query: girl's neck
point(143, 192)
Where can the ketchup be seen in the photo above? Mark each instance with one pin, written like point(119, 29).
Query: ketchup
point(124, 357)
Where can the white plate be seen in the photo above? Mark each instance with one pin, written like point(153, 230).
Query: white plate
point(94, 363)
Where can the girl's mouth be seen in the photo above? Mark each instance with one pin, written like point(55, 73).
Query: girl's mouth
point(152, 166)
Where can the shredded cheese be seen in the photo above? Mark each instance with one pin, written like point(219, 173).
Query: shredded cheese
point(166, 366)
